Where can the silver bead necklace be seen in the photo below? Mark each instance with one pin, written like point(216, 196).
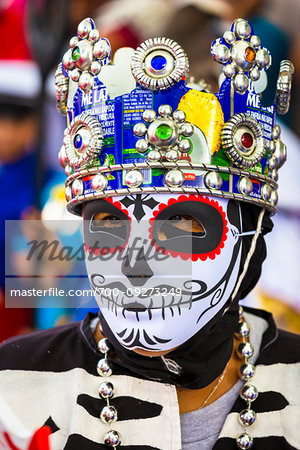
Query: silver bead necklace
point(248, 393)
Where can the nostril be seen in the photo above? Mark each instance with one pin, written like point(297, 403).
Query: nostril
point(140, 272)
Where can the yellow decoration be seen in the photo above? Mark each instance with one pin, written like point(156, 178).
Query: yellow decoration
point(204, 111)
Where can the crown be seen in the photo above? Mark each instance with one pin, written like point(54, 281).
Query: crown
point(137, 127)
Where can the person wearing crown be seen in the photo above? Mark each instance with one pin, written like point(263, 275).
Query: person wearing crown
point(176, 187)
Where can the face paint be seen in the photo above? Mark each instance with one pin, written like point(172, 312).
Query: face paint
point(158, 299)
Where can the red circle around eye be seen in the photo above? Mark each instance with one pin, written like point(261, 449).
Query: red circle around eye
point(247, 140)
point(106, 250)
point(193, 256)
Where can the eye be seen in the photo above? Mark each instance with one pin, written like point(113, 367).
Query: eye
point(179, 225)
point(105, 220)
point(82, 140)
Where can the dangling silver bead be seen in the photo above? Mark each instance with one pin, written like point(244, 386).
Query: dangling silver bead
point(254, 74)
point(247, 417)
point(112, 438)
point(179, 116)
point(68, 193)
point(103, 345)
point(84, 28)
point(94, 35)
point(263, 58)
point(184, 145)
point(149, 115)
point(109, 414)
point(221, 53)
point(77, 187)
point(154, 156)
point(213, 180)
point(141, 145)
point(242, 329)
point(101, 49)
point(245, 350)
point(265, 192)
point(255, 41)
point(75, 75)
point(174, 178)
point(229, 70)
point(249, 393)
point(134, 178)
point(106, 390)
point(172, 155)
point(187, 129)
point(240, 82)
point(242, 29)
point(244, 441)
point(276, 132)
point(165, 110)
point(247, 371)
point(139, 129)
point(103, 368)
point(95, 67)
point(74, 41)
point(86, 81)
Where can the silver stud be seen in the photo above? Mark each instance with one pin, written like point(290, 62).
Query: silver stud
point(245, 186)
point(103, 368)
point(187, 129)
point(68, 193)
point(95, 67)
point(179, 116)
point(67, 60)
point(280, 153)
point(242, 29)
point(84, 28)
point(263, 58)
point(274, 198)
point(154, 156)
point(94, 35)
point(101, 49)
point(103, 345)
point(141, 145)
point(249, 393)
point(75, 75)
point(247, 371)
point(139, 129)
point(106, 390)
point(265, 192)
point(86, 81)
point(74, 41)
point(149, 115)
point(254, 74)
point(184, 145)
point(245, 350)
point(229, 37)
point(242, 329)
point(272, 147)
point(276, 132)
point(229, 70)
point(109, 414)
point(272, 163)
point(213, 180)
point(240, 82)
point(112, 438)
point(244, 441)
point(255, 41)
point(165, 110)
point(174, 178)
point(77, 187)
point(247, 417)
point(274, 175)
point(68, 170)
point(134, 178)
point(221, 53)
point(99, 182)
point(172, 155)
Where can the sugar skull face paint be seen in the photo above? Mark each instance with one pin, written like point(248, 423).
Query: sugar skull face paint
point(161, 265)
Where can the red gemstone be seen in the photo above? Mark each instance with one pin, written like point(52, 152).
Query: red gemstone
point(247, 140)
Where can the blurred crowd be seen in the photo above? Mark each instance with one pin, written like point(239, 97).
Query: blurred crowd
point(35, 34)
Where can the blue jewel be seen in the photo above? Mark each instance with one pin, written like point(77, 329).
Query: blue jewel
point(158, 62)
point(78, 141)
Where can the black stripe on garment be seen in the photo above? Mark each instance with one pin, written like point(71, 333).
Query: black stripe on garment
point(128, 408)
point(265, 402)
point(263, 443)
point(77, 442)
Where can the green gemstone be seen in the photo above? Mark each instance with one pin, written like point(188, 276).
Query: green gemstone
point(75, 54)
point(163, 131)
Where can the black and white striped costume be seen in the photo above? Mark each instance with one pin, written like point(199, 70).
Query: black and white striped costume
point(50, 377)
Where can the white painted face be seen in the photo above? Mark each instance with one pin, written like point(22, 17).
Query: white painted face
point(162, 265)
